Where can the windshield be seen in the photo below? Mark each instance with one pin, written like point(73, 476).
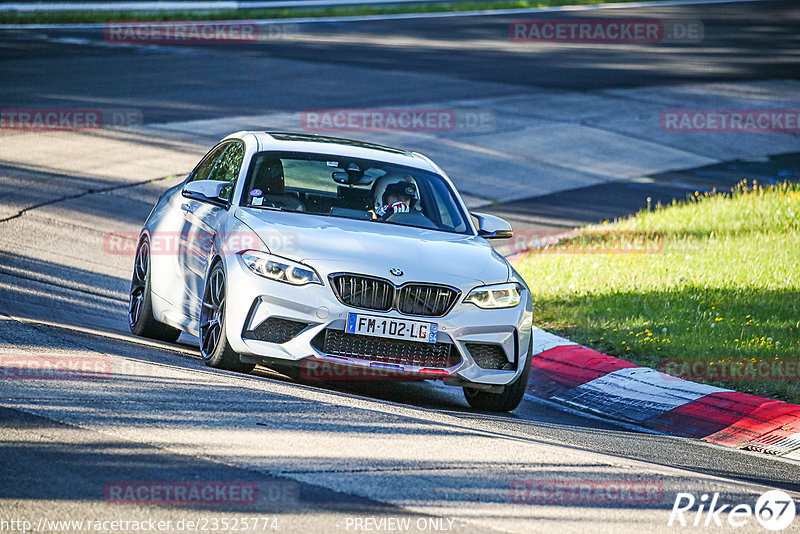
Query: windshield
point(360, 189)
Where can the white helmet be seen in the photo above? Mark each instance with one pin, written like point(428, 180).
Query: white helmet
point(393, 177)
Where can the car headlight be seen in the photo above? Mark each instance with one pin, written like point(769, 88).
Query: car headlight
point(496, 296)
point(280, 269)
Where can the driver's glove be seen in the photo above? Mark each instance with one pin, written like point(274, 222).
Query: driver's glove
point(391, 209)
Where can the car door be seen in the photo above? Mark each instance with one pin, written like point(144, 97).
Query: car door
point(170, 244)
point(206, 218)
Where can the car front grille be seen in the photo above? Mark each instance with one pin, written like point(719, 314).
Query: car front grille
point(275, 330)
point(424, 300)
point(364, 292)
point(488, 356)
point(338, 343)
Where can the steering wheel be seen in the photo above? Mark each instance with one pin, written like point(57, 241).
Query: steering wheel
point(286, 202)
point(412, 218)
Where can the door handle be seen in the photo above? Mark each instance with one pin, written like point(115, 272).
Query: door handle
point(186, 207)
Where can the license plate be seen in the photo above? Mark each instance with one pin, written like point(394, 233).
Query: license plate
point(392, 328)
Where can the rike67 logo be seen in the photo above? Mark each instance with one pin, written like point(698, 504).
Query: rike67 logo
point(774, 510)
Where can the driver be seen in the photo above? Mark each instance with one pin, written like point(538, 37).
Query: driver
point(398, 197)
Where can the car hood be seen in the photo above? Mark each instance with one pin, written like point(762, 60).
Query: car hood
point(335, 244)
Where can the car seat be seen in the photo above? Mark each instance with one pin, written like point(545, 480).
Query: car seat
point(270, 180)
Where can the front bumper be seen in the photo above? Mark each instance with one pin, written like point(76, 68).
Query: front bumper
point(252, 300)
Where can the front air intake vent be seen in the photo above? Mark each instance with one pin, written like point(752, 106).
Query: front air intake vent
point(276, 330)
point(489, 356)
point(338, 343)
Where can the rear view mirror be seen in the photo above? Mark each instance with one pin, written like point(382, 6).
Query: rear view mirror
point(351, 178)
point(340, 177)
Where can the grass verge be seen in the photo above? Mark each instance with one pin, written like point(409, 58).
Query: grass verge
point(65, 17)
point(707, 289)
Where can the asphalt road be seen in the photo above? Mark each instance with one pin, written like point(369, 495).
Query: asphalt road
point(321, 456)
point(374, 63)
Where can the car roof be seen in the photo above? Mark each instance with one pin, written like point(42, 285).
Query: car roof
point(322, 144)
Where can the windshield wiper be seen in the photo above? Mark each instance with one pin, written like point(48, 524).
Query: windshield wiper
point(273, 208)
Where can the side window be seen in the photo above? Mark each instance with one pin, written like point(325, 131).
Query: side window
point(203, 169)
point(446, 209)
point(227, 166)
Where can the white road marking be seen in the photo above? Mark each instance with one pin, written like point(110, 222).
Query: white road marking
point(544, 340)
point(636, 394)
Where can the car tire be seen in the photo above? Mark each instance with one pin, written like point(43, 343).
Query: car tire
point(140, 305)
point(214, 346)
point(511, 396)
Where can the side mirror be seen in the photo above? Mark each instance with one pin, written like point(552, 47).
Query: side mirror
point(491, 227)
point(206, 191)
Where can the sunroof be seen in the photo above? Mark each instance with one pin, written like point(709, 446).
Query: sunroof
point(313, 138)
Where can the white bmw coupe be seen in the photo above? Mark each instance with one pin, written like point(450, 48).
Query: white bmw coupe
point(299, 251)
